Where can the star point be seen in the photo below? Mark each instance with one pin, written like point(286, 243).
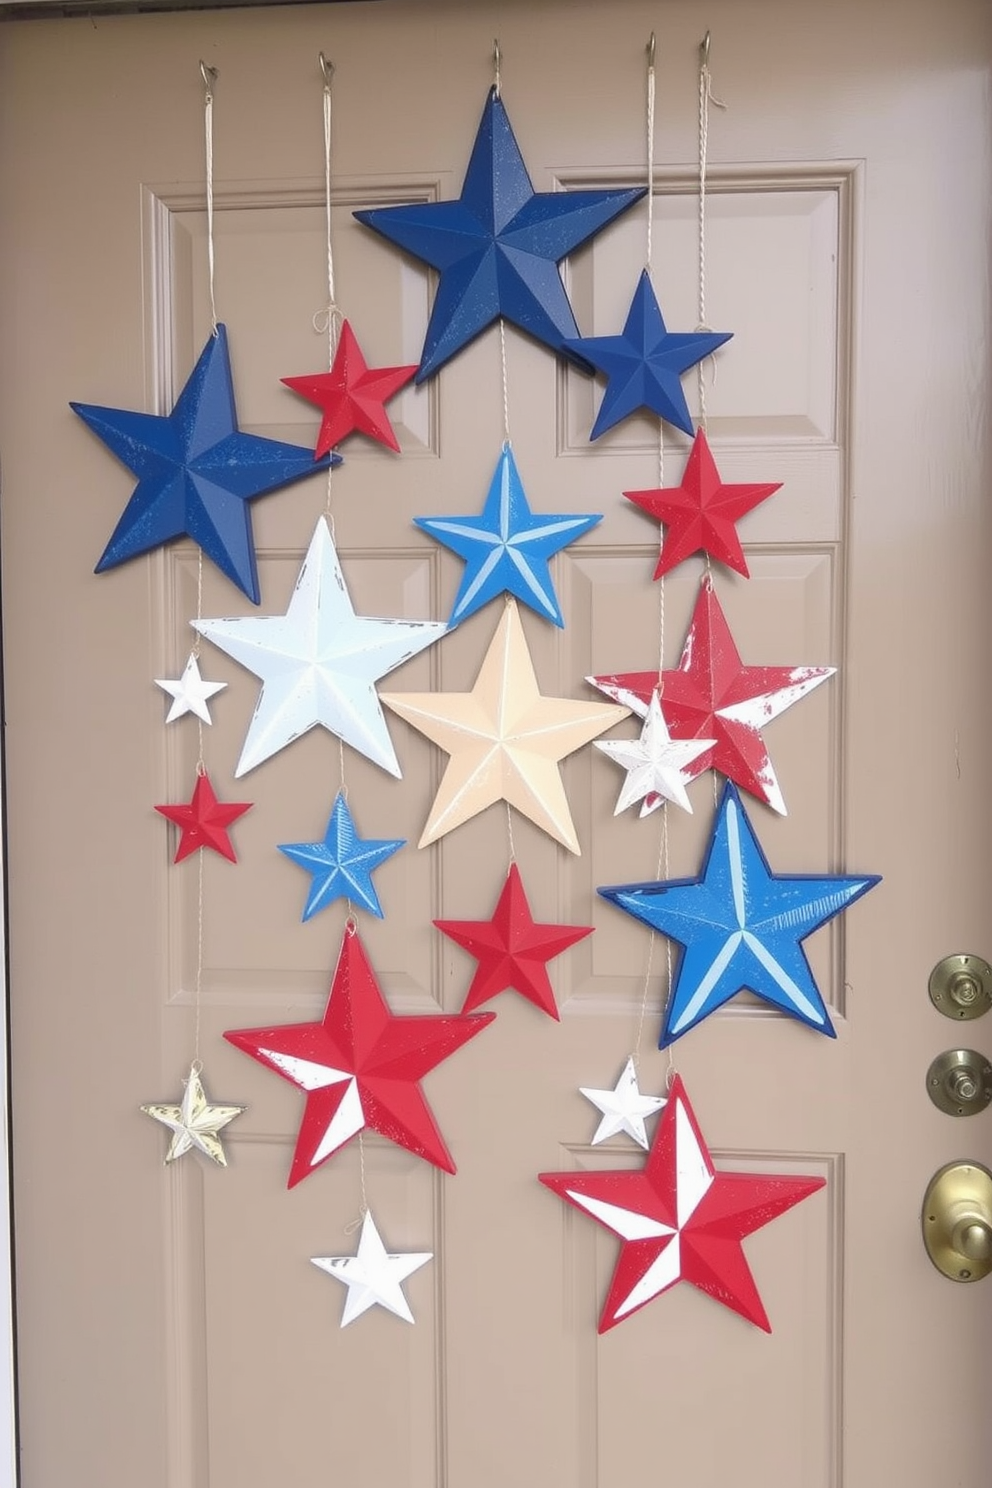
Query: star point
point(624, 1108)
point(195, 1122)
point(189, 693)
point(203, 821)
point(373, 1276)
point(352, 395)
point(341, 866)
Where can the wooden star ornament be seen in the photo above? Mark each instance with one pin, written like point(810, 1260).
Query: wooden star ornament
point(352, 395)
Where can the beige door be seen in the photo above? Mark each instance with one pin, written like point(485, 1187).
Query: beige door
point(171, 1331)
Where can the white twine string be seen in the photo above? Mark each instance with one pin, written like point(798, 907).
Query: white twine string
point(330, 317)
point(506, 395)
point(209, 75)
point(706, 97)
point(650, 134)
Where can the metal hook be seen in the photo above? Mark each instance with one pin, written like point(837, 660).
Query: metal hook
point(209, 76)
point(496, 61)
point(704, 51)
point(327, 68)
point(650, 50)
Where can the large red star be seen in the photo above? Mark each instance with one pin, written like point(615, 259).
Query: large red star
point(352, 395)
point(204, 821)
point(713, 695)
point(359, 1066)
point(679, 1219)
point(512, 951)
point(700, 513)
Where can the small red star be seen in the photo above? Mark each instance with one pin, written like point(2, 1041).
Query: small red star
point(512, 951)
point(352, 395)
point(204, 821)
point(700, 513)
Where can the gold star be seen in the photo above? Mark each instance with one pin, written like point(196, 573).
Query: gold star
point(504, 738)
point(194, 1123)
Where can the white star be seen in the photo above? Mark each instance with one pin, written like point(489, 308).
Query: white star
point(194, 1123)
point(319, 662)
point(189, 692)
point(655, 763)
point(624, 1108)
point(373, 1277)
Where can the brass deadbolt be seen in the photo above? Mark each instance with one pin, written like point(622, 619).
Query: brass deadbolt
point(957, 1221)
point(959, 1082)
point(961, 986)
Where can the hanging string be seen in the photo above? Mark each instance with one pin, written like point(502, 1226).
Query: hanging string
point(210, 76)
point(506, 396)
point(650, 134)
point(329, 318)
point(706, 97)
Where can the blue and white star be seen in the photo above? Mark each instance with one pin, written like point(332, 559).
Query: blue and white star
point(341, 866)
point(497, 248)
point(196, 471)
point(740, 926)
point(507, 548)
point(644, 365)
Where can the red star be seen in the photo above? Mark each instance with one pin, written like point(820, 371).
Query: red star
point(512, 951)
point(679, 1219)
point(701, 512)
point(360, 1066)
point(712, 695)
point(204, 821)
point(352, 395)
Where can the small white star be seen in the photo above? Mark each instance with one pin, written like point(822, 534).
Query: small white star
point(194, 1123)
point(655, 763)
point(373, 1277)
point(189, 692)
point(624, 1108)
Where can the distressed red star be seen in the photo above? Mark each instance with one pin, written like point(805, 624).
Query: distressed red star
point(203, 821)
point(678, 1219)
point(512, 951)
point(711, 694)
point(360, 1066)
point(700, 514)
point(352, 395)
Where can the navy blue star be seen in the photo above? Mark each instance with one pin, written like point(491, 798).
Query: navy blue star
point(644, 365)
point(507, 549)
point(196, 471)
point(740, 926)
point(342, 865)
point(497, 248)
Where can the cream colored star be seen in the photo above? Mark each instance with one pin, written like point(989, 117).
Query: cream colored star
point(195, 1122)
point(656, 764)
point(505, 739)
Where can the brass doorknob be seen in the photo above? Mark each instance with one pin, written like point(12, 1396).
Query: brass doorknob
point(957, 1221)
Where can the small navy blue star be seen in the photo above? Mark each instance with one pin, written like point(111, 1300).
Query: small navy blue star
point(740, 926)
point(507, 549)
point(644, 365)
point(196, 471)
point(497, 248)
point(342, 865)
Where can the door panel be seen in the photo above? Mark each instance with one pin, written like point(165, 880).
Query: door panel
point(169, 1318)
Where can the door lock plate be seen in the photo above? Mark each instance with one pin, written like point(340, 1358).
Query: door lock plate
point(959, 1082)
point(957, 1221)
point(961, 986)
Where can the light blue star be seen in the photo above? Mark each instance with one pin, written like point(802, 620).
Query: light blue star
point(342, 865)
point(740, 926)
point(644, 365)
point(507, 549)
point(497, 248)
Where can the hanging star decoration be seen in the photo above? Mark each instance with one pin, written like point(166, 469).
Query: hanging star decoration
point(319, 662)
point(678, 1219)
point(189, 693)
point(624, 1108)
point(740, 926)
point(360, 1066)
point(700, 514)
point(656, 764)
point(508, 548)
point(352, 395)
point(203, 820)
point(374, 1276)
point(341, 866)
point(712, 694)
point(196, 471)
point(195, 1122)
point(504, 738)
point(497, 248)
point(644, 365)
point(512, 951)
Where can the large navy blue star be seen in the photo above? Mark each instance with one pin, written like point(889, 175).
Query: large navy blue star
point(196, 471)
point(740, 926)
point(507, 548)
point(341, 866)
point(644, 365)
point(497, 248)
